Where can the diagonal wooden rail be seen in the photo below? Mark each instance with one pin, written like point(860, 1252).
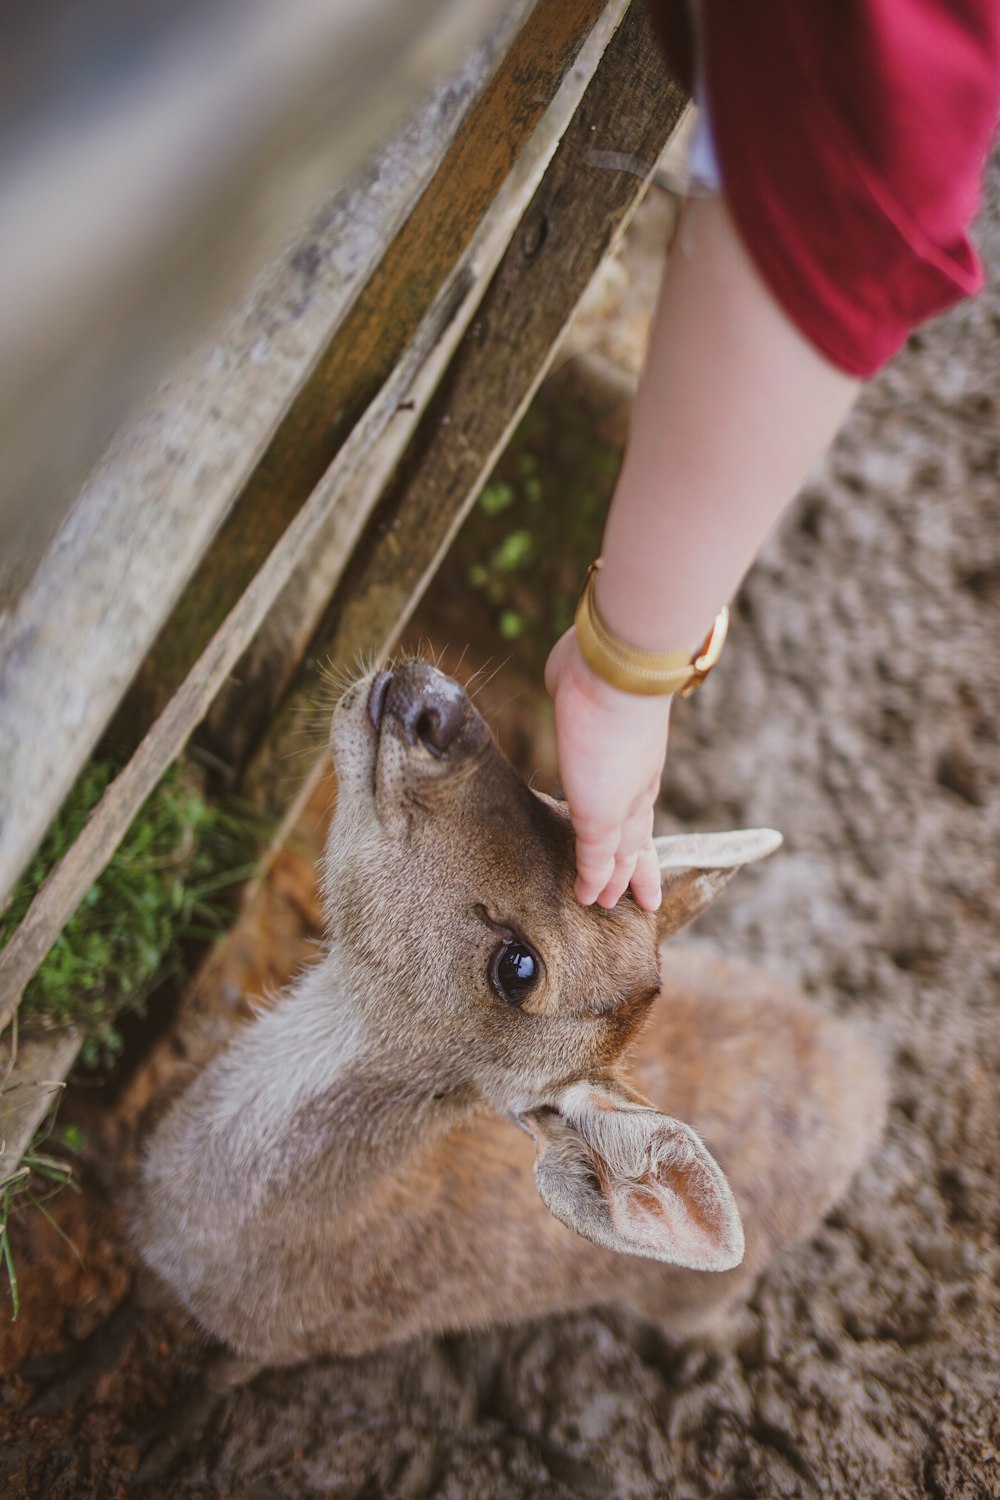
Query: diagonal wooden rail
point(436, 240)
point(475, 355)
point(579, 209)
point(142, 523)
point(152, 158)
point(329, 524)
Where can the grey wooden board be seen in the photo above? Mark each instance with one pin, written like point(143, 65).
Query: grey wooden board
point(327, 528)
point(74, 639)
point(558, 247)
point(29, 1086)
point(158, 162)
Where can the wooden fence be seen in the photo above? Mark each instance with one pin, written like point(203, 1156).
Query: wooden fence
point(291, 490)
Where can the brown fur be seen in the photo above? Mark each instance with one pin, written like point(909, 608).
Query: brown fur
point(350, 1173)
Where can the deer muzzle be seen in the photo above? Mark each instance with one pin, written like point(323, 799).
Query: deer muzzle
point(426, 710)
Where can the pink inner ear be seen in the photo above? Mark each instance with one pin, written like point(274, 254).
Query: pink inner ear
point(672, 1210)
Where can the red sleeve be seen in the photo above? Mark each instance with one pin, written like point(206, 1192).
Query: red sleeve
point(851, 137)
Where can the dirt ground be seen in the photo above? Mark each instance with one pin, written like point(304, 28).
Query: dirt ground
point(857, 708)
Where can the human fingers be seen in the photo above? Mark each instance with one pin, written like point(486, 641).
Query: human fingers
point(595, 864)
point(636, 835)
point(645, 880)
point(620, 877)
point(555, 663)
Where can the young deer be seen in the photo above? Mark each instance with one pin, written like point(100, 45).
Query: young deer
point(357, 1168)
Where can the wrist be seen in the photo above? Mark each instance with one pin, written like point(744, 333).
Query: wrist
point(638, 600)
point(604, 696)
point(633, 669)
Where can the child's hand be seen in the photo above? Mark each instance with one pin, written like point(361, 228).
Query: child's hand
point(611, 748)
point(733, 409)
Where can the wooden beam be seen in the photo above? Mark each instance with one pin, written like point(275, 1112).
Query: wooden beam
point(582, 204)
point(355, 364)
point(154, 158)
point(76, 636)
point(30, 1079)
point(327, 527)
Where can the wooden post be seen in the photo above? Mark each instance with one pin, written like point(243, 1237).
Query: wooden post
point(154, 158)
point(582, 204)
point(329, 523)
point(349, 372)
point(75, 638)
point(436, 360)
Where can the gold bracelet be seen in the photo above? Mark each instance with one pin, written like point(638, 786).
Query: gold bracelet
point(632, 670)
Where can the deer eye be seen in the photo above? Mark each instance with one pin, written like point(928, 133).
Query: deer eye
point(514, 970)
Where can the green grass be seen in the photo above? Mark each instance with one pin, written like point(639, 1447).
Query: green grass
point(35, 1181)
point(38, 1177)
point(159, 892)
point(537, 524)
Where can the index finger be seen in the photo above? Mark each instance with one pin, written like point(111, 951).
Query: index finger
point(595, 863)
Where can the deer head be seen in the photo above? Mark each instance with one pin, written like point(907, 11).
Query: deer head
point(449, 889)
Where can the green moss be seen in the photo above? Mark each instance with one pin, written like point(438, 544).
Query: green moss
point(496, 497)
point(159, 891)
point(511, 625)
point(156, 894)
point(515, 552)
point(37, 1178)
point(524, 550)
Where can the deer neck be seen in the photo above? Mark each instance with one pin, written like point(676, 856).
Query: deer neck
point(308, 1100)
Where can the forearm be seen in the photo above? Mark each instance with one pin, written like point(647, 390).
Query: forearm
point(734, 407)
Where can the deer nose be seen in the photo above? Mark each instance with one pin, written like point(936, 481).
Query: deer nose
point(430, 709)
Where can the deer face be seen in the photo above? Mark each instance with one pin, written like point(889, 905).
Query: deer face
point(449, 889)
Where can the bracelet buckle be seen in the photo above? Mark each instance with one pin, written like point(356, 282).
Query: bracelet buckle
point(632, 669)
point(710, 652)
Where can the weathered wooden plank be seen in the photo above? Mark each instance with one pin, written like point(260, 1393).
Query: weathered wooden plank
point(29, 1083)
point(581, 205)
point(352, 368)
point(152, 158)
point(328, 526)
point(75, 638)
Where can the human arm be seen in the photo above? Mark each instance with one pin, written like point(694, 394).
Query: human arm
point(733, 408)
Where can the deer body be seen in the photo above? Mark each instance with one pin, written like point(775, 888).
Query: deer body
point(351, 1173)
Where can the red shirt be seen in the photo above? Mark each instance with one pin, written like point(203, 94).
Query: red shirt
point(851, 137)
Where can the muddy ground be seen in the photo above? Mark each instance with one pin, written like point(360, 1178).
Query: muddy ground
point(857, 708)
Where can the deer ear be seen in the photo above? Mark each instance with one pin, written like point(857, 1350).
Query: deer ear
point(627, 1177)
point(695, 867)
